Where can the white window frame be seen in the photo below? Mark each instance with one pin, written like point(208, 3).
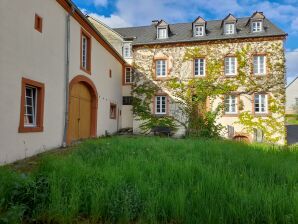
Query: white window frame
point(257, 26)
point(126, 79)
point(199, 30)
point(199, 67)
point(162, 32)
point(257, 68)
point(229, 65)
point(231, 101)
point(160, 105)
point(259, 97)
point(84, 51)
point(161, 68)
point(33, 99)
point(127, 50)
point(230, 28)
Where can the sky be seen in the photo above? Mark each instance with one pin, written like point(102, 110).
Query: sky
point(123, 13)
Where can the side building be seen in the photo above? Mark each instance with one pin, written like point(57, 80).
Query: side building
point(60, 80)
point(292, 97)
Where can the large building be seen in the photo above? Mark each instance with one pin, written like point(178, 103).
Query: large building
point(65, 76)
point(249, 52)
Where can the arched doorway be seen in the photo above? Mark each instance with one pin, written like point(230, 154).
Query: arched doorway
point(83, 101)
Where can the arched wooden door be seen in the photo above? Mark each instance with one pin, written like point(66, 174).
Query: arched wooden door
point(80, 107)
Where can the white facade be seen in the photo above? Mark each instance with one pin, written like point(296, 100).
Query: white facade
point(27, 53)
point(292, 97)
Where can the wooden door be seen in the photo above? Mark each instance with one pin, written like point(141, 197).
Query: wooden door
point(79, 113)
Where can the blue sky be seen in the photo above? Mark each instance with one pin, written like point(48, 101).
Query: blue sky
point(119, 13)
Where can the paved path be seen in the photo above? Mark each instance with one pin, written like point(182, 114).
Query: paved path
point(292, 131)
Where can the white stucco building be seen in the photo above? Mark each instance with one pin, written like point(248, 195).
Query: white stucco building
point(292, 97)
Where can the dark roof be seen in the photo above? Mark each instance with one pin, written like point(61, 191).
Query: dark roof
point(182, 32)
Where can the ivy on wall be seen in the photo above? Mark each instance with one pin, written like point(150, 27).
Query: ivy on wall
point(195, 97)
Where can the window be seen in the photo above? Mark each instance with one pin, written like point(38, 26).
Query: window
point(258, 135)
point(296, 99)
point(113, 111)
point(260, 103)
point(110, 73)
point(32, 103)
point(127, 100)
point(160, 105)
point(127, 50)
point(257, 26)
point(128, 75)
point(231, 104)
point(199, 31)
point(162, 33)
point(199, 67)
point(231, 131)
point(38, 23)
point(161, 68)
point(85, 52)
point(230, 65)
point(230, 28)
point(260, 65)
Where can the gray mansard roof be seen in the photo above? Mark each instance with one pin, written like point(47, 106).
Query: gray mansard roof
point(182, 32)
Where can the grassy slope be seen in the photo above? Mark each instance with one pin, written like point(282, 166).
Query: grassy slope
point(157, 180)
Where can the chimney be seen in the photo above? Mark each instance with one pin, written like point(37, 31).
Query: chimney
point(155, 22)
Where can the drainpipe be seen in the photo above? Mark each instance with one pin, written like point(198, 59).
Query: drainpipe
point(64, 143)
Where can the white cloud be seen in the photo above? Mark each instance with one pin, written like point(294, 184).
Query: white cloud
point(112, 21)
point(292, 65)
point(294, 25)
point(100, 2)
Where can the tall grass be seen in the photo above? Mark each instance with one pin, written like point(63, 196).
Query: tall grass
point(157, 180)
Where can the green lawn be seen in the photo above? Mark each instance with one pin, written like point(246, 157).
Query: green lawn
point(292, 119)
point(155, 180)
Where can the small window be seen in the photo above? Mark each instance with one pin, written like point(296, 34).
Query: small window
point(258, 135)
point(161, 68)
point(38, 23)
point(32, 103)
point(199, 30)
point(231, 132)
point(127, 50)
point(199, 67)
point(231, 104)
point(160, 105)
point(260, 65)
point(110, 73)
point(296, 100)
point(127, 100)
point(230, 66)
point(85, 52)
point(230, 28)
point(257, 26)
point(113, 111)
point(260, 103)
point(162, 33)
point(128, 75)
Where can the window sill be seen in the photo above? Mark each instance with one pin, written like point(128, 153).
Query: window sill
point(231, 115)
point(230, 76)
point(85, 70)
point(261, 114)
point(30, 129)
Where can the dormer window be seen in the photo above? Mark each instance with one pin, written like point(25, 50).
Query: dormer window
point(127, 50)
point(162, 33)
point(199, 30)
point(229, 28)
point(257, 26)
point(198, 27)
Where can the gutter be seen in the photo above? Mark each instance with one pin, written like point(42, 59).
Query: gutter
point(64, 142)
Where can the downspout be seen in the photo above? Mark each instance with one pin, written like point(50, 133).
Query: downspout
point(64, 143)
